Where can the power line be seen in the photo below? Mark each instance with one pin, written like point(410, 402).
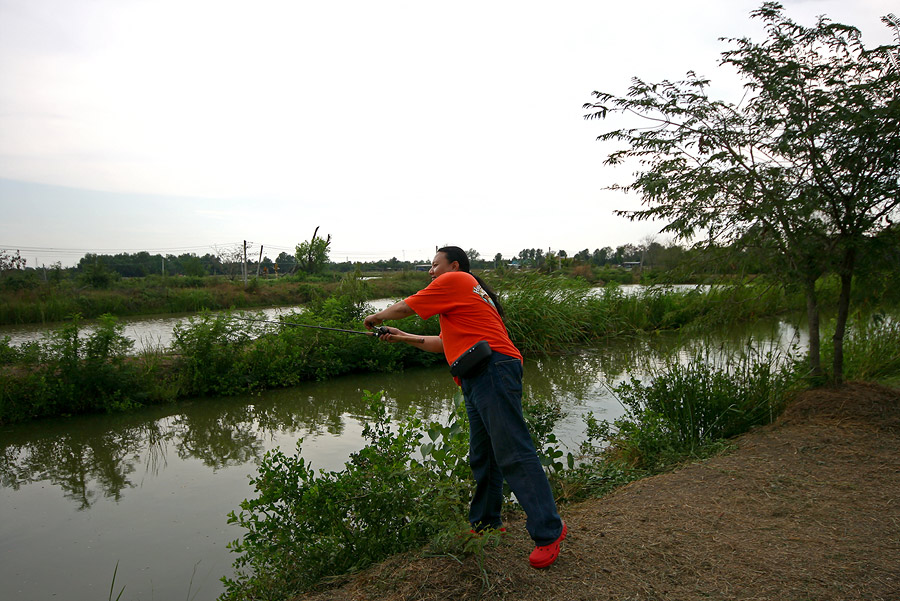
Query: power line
point(69, 255)
point(61, 250)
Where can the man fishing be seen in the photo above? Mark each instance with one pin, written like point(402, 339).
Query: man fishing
point(488, 368)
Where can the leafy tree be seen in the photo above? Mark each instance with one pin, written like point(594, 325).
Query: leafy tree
point(192, 265)
point(600, 256)
point(9, 261)
point(803, 170)
point(95, 273)
point(285, 263)
point(312, 255)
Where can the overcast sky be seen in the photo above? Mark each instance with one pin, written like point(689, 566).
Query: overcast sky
point(178, 125)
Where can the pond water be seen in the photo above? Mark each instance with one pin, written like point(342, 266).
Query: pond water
point(146, 494)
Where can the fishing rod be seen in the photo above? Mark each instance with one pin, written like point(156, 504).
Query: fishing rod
point(378, 331)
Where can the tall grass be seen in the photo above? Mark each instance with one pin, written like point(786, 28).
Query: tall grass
point(687, 405)
point(543, 313)
point(548, 313)
point(871, 348)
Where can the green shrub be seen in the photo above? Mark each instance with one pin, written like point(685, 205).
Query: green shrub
point(8, 354)
point(688, 406)
point(393, 495)
point(211, 350)
point(304, 526)
point(72, 373)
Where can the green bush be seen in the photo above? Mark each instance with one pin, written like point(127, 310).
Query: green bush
point(211, 353)
point(688, 406)
point(8, 354)
point(304, 526)
point(394, 495)
point(72, 373)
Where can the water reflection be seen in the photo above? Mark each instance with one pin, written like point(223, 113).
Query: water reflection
point(94, 457)
point(82, 468)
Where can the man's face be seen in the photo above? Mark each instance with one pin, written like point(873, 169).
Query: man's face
point(440, 265)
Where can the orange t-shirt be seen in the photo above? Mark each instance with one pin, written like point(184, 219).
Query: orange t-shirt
point(467, 314)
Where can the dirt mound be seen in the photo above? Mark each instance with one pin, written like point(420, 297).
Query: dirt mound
point(858, 402)
point(806, 508)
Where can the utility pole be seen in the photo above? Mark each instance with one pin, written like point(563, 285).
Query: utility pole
point(245, 263)
point(259, 263)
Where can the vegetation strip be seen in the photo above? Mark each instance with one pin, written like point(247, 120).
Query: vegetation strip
point(225, 354)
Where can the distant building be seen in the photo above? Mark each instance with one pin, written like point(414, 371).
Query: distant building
point(423, 267)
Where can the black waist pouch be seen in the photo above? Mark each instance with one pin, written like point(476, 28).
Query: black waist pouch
point(472, 362)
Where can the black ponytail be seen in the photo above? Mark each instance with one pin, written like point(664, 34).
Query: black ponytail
point(455, 253)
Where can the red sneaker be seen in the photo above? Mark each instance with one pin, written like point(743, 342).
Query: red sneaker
point(543, 557)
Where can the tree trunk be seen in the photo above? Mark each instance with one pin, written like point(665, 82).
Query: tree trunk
point(812, 318)
point(843, 312)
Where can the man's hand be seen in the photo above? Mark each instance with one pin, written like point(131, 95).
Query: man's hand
point(389, 334)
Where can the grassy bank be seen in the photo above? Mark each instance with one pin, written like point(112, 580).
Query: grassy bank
point(223, 354)
point(57, 301)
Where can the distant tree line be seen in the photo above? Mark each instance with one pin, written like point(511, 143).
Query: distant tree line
point(312, 257)
point(223, 263)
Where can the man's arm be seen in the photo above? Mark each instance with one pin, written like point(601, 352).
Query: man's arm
point(432, 344)
point(395, 311)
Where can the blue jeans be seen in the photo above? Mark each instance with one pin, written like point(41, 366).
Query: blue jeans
point(500, 447)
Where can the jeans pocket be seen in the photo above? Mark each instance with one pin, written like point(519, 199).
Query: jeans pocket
point(509, 376)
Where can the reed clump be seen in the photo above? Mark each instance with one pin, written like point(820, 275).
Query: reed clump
point(545, 313)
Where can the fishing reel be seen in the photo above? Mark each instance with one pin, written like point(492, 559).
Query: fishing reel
point(380, 331)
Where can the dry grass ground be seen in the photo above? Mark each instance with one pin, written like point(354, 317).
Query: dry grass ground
point(807, 508)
